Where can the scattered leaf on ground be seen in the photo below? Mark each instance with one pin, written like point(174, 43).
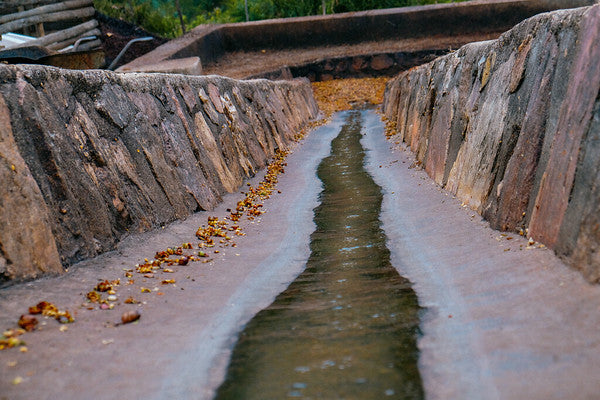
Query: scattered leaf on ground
point(130, 316)
point(28, 322)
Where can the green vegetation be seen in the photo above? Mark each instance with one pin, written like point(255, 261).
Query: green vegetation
point(161, 17)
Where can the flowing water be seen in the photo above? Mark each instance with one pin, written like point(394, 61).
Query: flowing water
point(347, 327)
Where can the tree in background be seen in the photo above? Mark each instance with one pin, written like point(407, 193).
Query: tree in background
point(160, 19)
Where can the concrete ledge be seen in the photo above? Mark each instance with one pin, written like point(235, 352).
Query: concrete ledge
point(211, 42)
point(184, 66)
point(88, 156)
point(511, 127)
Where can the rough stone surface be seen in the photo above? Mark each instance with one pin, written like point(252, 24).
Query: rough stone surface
point(25, 235)
point(99, 154)
point(511, 127)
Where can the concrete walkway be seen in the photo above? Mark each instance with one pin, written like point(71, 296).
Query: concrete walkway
point(502, 321)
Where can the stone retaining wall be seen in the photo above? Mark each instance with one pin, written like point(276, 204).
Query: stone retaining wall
point(86, 157)
point(512, 127)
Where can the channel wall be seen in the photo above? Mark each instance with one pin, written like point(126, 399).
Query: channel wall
point(88, 156)
point(512, 128)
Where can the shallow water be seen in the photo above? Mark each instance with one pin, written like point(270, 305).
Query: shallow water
point(347, 327)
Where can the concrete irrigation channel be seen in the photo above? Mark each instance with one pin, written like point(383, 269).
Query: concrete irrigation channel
point(505, 324)
point(143, 205)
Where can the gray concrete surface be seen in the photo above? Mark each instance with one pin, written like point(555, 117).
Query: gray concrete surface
point(180, 347)
point(502, 321)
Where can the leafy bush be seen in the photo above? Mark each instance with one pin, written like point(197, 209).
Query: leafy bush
point(162, 21)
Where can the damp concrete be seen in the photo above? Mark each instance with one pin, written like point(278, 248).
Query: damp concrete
point(181, 345)
point(346, 327)
point(502, 320)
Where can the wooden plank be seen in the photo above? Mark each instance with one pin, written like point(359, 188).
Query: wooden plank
point(67, 5)
point(39, 29)
point(9, 6)
point(62, 44)
point(53, 17)
point(60, 36)
point(17, 3)
point(91, 45)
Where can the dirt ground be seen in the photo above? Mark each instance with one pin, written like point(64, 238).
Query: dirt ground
point(117, 33)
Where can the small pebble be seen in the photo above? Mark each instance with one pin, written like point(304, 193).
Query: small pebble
point(112, 297)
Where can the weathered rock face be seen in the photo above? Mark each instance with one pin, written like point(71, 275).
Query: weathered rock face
point(86, 157)
point(25, 234)
point(512, 127)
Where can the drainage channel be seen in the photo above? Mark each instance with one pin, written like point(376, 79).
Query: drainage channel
point(347, 327)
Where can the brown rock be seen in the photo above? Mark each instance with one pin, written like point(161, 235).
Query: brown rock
point(215, 97)
point(27, 246)
point(518, 70)
point(358, 63)
point(514, 193)
point(329, 66)
point(575, 114)
point(341, 66)
point(381, 62)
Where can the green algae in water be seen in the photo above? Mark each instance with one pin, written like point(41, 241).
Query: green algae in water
point(347, 327)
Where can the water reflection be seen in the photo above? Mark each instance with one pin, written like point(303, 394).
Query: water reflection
point(346, 328)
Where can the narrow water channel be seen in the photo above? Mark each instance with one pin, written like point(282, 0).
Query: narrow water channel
point(347, 327)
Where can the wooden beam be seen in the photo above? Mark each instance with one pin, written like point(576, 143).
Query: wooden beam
point(39, 29)
point(67, 5)
point(63, 35)
point(53, 17)
point(16, 3)
point(62, 44)
point(94, 44)
point(7, 6)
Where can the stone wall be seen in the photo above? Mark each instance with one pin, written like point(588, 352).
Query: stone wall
point(86, 157)
point(512, 127)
